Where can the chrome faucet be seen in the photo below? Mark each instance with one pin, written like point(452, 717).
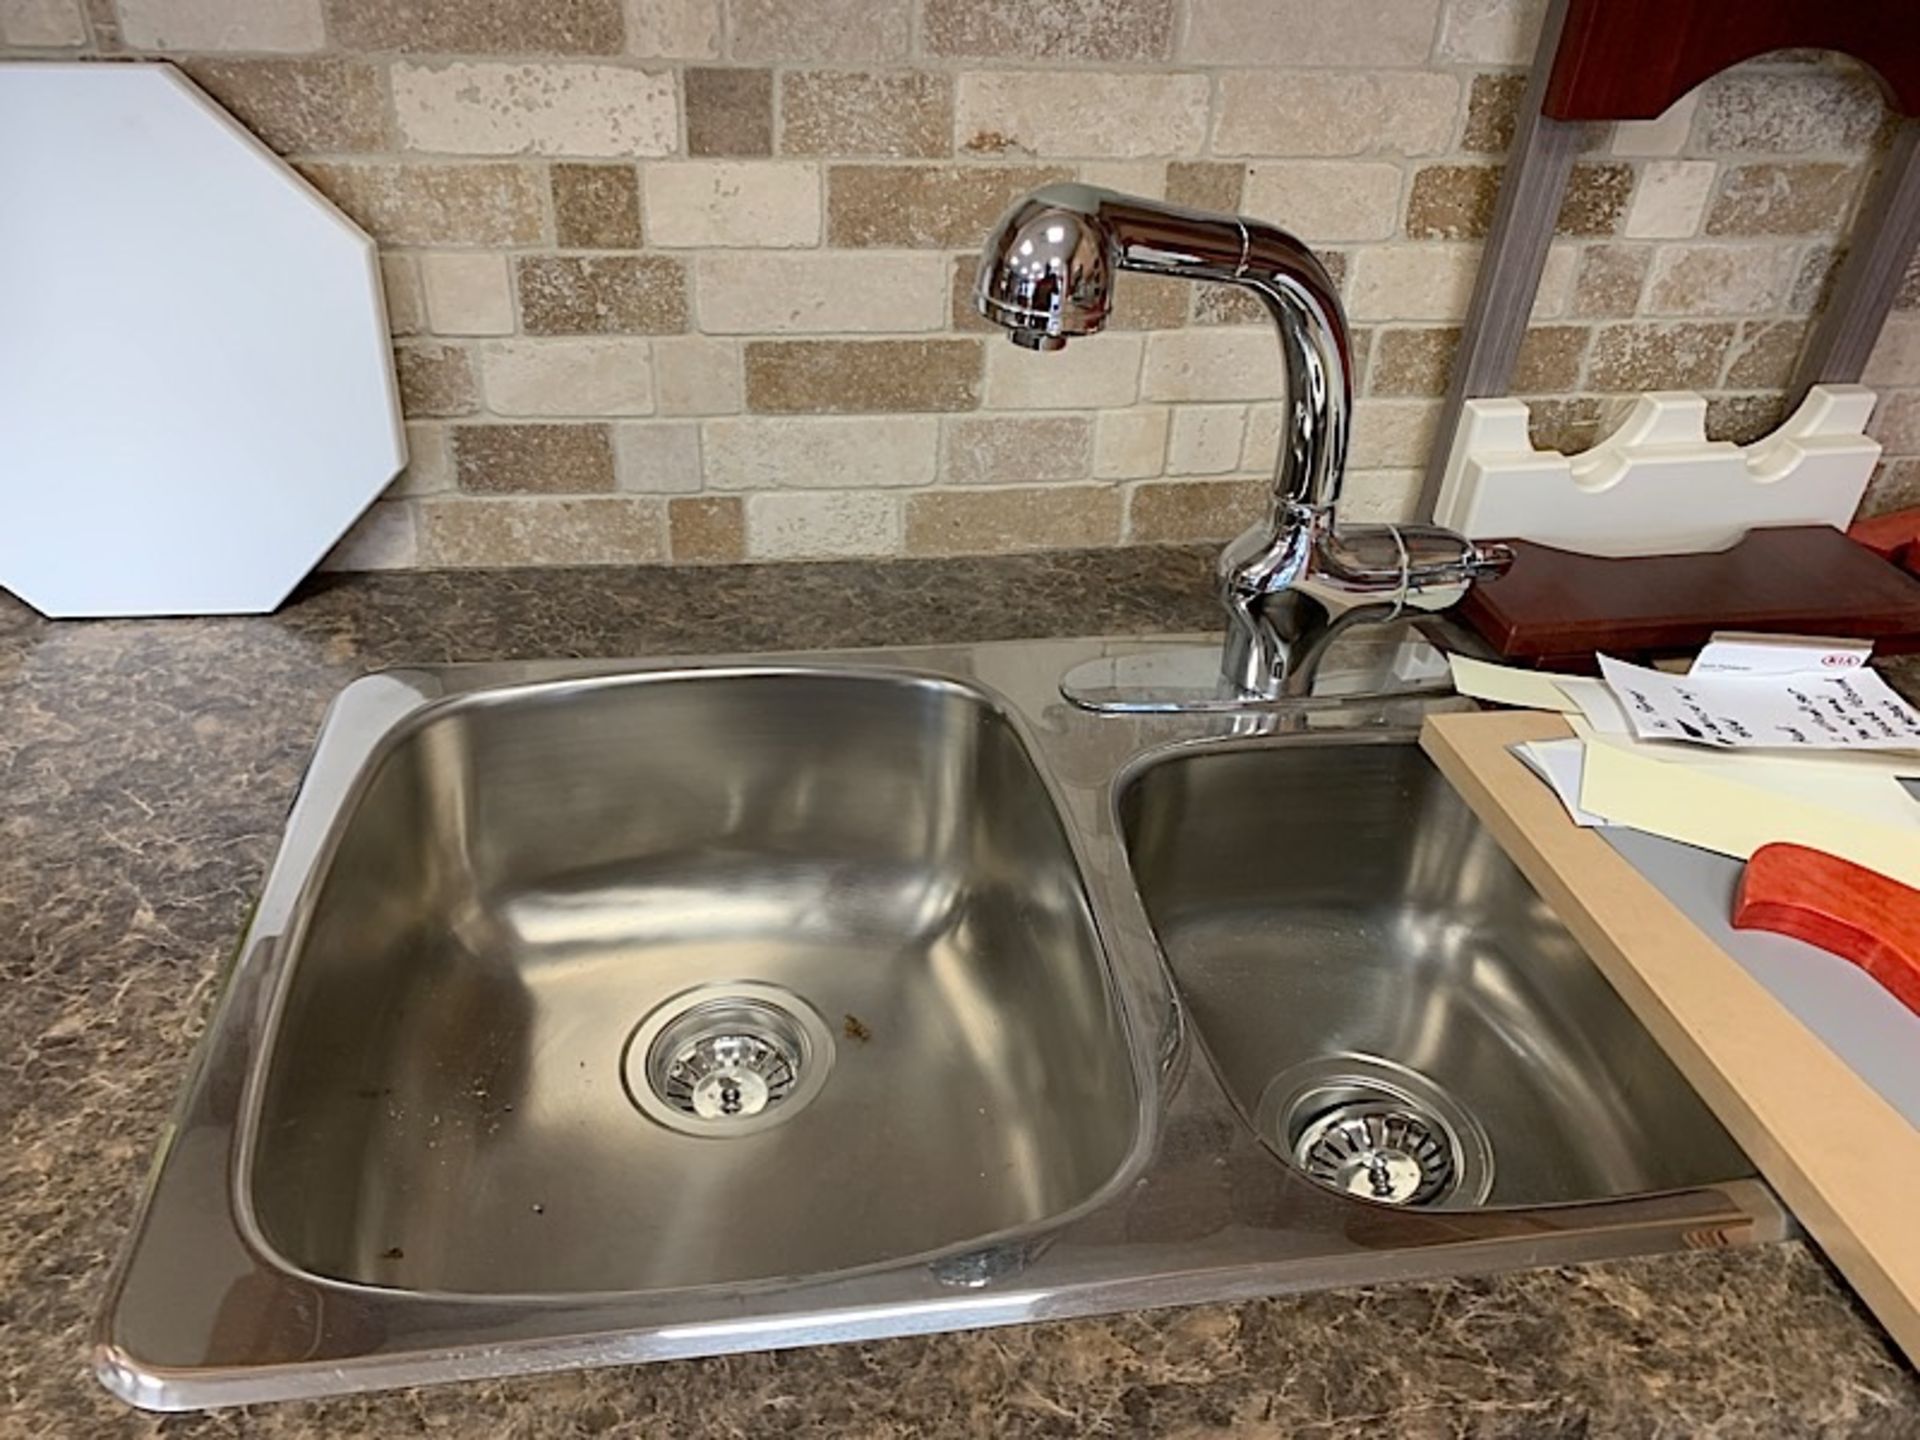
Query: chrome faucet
point(1293, 581)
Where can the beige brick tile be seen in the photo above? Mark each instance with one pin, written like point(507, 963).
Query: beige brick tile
point(1130, 177)
point(495, 107)
point(1896, 422)
point(1015, 450)
point(1896, 354)
point(1322, 200)
point(1193, 511)
point(729, 111)
point(1802, 199)
point(1490, 32)
point(1042, 30)
point(1610, 278)
point(819, 293)
point(961, 314)
point(657, 457)
point(474, 27)
point(602, 294)
point(1788, 114)
point(991, 522)
point(1423, 282)
point(429, 467)
point(583, 378)
point(1081, 113)
point(1230, 305)
point(1567, 424)
point(436, 204)
point(1554, 298)
point(1206, 439)
point(1493, 113)
point(1130, 444)
point(1149, 302)
point(1379, 497)
point(301, 107)
point(1261, 452)
point(383, 538)
point(755, 203)
point(826, 452)
point(1392, 433)
point(945, 207)
point(904, 114)
point(800, 32)
point(707, 529)
point(822, 525)
point(276, 25)
point(1413, 362)
point(466, 292)
point(1671, 199)
point(673, 29)
point(1099, 372)
point(1550, 358)
point(1642, 356)
point(827, 377)
point(1224, 363)
point(1364, 34)
point(532, 459)
point(400, 288)
point(1895, 486)
point(1207, 184)
point(1743, 419)
point(434, 380)
point(1720, 279)
point(1764, 354)
point(693, 375)
point(1309, 113)
point(1451, 202)
point(1656, 138)
point(602, 530)
point(1596, 200)
point(596, 207)
point(42, 24)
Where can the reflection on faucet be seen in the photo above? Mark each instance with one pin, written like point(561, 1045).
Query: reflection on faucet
point(1292, 582)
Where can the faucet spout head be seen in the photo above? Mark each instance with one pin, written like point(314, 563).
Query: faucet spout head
point(1046, 272)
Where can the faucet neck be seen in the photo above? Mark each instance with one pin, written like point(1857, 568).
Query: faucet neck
point(1316, 351)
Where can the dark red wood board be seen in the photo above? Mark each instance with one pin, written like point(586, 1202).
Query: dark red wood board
point(1554, 608)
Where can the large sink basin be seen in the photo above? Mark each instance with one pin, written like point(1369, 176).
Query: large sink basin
point(847, 900)
point(600, 1013)
point(1360, 957)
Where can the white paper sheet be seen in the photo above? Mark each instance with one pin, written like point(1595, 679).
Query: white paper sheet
point(1559, 763)
point(1851, 711)
point(1734, 652)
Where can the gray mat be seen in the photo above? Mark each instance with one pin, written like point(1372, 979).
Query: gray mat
point(1859, 1021)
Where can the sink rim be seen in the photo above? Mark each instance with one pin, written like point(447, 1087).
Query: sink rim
point(1303, 1238)
point(284, 963)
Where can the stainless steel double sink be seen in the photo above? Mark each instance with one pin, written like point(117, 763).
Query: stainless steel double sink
point(598, 1015)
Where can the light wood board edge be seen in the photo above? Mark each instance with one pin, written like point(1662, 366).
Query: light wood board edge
point(1844, 1160)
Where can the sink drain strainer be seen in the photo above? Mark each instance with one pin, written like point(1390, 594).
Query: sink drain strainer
point(727, 1059)
point(1368, 1127)
point(1378, 1150)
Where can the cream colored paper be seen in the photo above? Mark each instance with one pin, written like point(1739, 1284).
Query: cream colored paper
point(1505, 685)
point(1851, 806)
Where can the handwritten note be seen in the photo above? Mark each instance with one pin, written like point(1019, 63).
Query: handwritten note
point(1855, 710)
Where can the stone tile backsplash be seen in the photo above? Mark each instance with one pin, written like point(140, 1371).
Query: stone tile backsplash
point(686, 281)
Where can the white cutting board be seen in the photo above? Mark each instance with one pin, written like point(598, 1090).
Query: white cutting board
point(1657, 485)
point(196, 389)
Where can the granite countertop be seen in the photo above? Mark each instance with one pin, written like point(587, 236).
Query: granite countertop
point(145, 767)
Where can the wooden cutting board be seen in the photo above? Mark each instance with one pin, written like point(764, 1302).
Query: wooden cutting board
point(1844, 1160)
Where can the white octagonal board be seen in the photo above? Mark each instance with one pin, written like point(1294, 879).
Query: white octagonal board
point(196, 389)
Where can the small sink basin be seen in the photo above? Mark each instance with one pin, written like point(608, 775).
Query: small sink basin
point(1384, 997)
point(681, 979)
